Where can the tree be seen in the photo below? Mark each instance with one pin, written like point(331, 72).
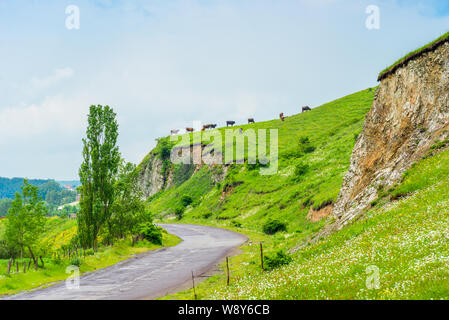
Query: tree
point(128, 209)
point(25, 220)
point(101, 159)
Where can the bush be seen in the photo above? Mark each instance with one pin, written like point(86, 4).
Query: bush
point(279, 259)
point(207, 215)
point(236, 223)
point(179, 212)
point(151, 232)
point(300, 170)
point(89, 252)
point(75, 261)
point(273, 226)
point(186, 201)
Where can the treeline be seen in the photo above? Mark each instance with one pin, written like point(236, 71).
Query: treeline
point(9, 187)
point(50, 191)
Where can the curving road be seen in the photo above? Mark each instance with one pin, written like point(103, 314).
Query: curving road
point(153, 274)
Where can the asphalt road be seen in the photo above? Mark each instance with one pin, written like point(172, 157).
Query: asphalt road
point(153, 274)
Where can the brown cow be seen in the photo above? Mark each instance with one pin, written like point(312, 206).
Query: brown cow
point(282, 116)
point(306, 108)
point(190, 129)
point(251, 120)
point(209, 126)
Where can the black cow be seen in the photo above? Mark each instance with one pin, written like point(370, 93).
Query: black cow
point(306, 108)
point(230, 123)
point(251, 120)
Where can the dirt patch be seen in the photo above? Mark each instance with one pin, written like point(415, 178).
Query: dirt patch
point(317, 215)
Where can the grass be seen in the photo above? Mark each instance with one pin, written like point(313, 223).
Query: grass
point(411, 54)
point(405, 240)
point(59, 231)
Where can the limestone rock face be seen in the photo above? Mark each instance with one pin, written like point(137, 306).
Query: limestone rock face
point(410, 111)
point(151, 180)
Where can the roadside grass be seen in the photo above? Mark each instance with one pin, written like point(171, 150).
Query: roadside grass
point(60, 231)
point(405, 240)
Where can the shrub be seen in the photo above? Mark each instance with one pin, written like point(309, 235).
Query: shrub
point(75, 261)
point(309, 149)
point(273, 226)
point(186, 201)
point(151, 232)
point(179, 212)
point(207, 215)
point(236, 223)
point(89, 252)
point(278, 259)
point(300, 170)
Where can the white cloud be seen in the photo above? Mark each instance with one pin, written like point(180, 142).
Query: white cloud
point(54, 78)
point(54, 114)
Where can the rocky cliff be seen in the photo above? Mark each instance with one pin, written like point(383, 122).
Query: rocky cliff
point(154, 177)
point(410, 114)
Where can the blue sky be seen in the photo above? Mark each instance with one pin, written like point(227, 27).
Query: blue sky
point(164, 64)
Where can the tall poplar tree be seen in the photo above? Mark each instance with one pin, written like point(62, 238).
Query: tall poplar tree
point(101, 159)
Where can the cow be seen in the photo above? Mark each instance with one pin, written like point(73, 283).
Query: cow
point(306, 108)
point(282, 116)
point(190, 129)
point(230, 123)
point(251, 120)
point(174, 132)
point(209, 126)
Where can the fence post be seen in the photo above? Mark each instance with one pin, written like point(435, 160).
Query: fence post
point(193, 283)
point(261, 256)
point(227, 270)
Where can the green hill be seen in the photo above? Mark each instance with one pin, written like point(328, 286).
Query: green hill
point(403, 237)
point(314, 152)
point(405, 240)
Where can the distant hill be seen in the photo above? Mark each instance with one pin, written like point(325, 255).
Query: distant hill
point(8, 187)
point(73, 183)
point(51, 191)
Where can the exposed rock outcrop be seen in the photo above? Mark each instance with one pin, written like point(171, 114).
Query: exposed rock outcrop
point(410, 112)
point(152, 178)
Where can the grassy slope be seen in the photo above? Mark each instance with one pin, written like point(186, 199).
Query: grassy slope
point(331, 128)
point(58, 232)
point(446, 35)
point(406, 239)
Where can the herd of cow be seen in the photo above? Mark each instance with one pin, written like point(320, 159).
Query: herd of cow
point(232, 123)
